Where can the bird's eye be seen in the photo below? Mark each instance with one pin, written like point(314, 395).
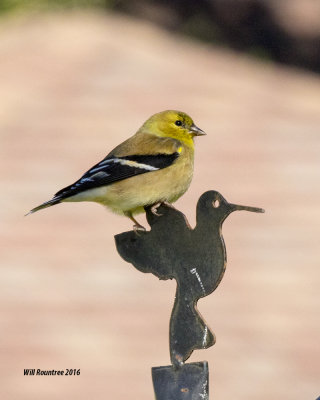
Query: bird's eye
point(178, 123)
point(216, 203)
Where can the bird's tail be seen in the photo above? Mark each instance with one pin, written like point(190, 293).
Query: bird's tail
point(49, 203)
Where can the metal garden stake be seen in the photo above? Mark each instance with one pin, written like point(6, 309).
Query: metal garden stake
point(196, 259)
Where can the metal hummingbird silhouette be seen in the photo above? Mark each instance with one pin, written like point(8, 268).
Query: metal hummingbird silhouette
point(195, 258)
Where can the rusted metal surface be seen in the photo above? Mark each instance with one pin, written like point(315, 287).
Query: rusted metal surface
point(195, 258)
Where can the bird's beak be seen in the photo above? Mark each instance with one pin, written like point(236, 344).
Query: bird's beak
point(236, 207)
point(196, 131)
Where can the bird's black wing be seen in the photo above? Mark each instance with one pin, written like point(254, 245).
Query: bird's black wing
point(113, 169)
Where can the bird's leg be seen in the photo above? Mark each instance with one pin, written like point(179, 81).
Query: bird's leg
point(154, 209)
point(136, 227)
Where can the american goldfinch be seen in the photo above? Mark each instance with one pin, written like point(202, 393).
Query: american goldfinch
point(154, 166)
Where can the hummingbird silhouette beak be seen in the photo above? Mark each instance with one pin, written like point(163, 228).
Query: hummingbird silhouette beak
point(236, 207)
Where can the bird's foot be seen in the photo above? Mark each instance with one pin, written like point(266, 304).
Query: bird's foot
point(138, 228)
point(154, 209)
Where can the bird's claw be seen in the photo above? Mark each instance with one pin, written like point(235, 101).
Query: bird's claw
point(154, 209)
point(138, 228)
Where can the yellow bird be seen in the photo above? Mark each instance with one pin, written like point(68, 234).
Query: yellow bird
point(153, 167)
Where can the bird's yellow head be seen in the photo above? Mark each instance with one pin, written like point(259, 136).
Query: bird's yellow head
point(174, 124)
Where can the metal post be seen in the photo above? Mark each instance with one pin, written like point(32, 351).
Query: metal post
point(189, 382)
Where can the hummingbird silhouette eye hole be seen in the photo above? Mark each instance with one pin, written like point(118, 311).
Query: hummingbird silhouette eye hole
point(216, 203)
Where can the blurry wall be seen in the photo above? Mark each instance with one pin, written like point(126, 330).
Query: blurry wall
point(76, 81)
point(286, 31)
